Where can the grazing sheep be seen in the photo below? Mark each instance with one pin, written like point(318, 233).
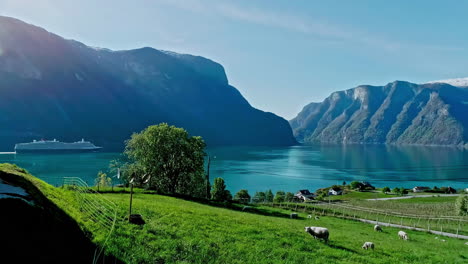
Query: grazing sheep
point(318, 232)
point(436, 237)
point(317, 218)
point(443, 240)
point(402, 235)
point(293, 216)
point(368, 245)
point(309, 216)
point(377, 228)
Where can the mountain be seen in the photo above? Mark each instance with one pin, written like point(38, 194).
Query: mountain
point(51, 87)
point(459, 82)
point(397, 113)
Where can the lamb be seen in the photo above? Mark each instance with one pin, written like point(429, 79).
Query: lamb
point(402, 235)
point(378, 228)
point(309, 216)
point(317, 218)
point(318, 232)
point(368, 245)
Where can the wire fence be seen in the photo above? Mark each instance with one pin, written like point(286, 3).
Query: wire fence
point(95, 207)
point(456, 225)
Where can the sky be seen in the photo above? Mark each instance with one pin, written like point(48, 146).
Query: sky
point(281, 55)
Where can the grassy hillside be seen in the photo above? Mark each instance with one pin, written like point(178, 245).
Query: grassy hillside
point(181, 231)
point(188, 232)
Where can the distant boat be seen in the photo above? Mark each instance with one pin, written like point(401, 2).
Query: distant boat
point(53, 146)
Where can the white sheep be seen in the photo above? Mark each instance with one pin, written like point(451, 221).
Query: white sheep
point(309, 216)
point(368, 245)
point(318, 232)
point(317, 218)
point(402, 235)
point(378, 228)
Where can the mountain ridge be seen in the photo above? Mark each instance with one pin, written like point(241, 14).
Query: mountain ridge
point(397, 113)
point(58, 88)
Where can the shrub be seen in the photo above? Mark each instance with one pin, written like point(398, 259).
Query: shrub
point(289, 197)
point(269, 196)
point(259, 197)
point(386, 189)
point(242, 196)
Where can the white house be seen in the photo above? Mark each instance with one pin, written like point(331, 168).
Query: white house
point(304, 195)
point(418, 189)
point(335, 191)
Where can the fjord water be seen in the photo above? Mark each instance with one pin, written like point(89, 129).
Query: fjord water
point(288, 168)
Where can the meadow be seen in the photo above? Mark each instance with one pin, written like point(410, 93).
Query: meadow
point(184, 231)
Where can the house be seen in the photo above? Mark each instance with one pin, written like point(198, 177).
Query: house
point(418, 189)
point(335, 191)
point(304, 195)
point(366, 185)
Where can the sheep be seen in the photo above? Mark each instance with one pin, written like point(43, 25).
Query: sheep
point(377, 228)
point(402, 235)
point(443, 240)
point(309, 216)
point(317, 218)
point(318, 232)
point(368, 245)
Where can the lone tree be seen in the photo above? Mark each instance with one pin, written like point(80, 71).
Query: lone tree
point(102, 180)
point(219, 192)
point(170, 158)
point(461, 205)
point(242, 196)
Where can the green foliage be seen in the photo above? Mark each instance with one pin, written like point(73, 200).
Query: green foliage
point(269, 196)
point(289, 197)
point(259, 197)
point(172, 159)
point(396, 190)
point(279, 197)
point(403, 190)
point(242, 196)
point(218, 191)
point(102, 180)
point(355, 185)
point(461, 205)
point(386, 189)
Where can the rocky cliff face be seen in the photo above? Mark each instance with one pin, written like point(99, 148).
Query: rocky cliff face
point(397, 113)
point(51, 87)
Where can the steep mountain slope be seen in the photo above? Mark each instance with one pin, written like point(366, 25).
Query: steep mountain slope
point(56, 88)
point(399, 113)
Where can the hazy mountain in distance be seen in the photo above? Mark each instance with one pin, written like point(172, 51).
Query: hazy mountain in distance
point(51, 87)
point(397, 113)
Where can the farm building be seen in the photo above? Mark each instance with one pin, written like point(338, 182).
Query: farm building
point(420, 189)
point(335, 191)
point(304, 195)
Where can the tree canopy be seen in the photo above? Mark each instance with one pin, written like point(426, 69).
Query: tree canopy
point(219, 192)
point(168, 158)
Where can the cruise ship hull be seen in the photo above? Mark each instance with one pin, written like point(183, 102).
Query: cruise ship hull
point(51, 151)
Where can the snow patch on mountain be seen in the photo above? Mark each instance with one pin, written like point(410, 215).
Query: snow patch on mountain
point(459, 82)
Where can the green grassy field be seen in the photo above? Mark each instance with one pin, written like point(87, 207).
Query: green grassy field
point(181, 231)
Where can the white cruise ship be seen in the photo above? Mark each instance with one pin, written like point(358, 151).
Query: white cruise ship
point(55, 146)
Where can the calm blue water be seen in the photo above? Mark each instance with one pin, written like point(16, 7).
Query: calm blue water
point(289, 168)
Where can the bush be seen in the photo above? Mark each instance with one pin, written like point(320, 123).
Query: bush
point(396, 190)
point(242, 196)
point(355, 185)
point(386, 189)
point(102, 180)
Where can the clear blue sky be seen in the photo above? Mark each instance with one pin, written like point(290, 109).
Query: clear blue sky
point(281, 55)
